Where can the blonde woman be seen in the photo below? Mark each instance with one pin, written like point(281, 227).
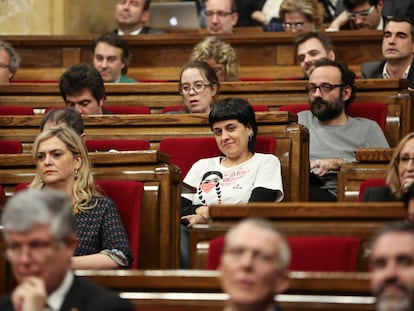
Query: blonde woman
point(219, 55)
point(301, 15)
point(62, 163)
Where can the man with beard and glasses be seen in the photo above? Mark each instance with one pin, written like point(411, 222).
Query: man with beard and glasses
point(392, 263)
point(334, 136)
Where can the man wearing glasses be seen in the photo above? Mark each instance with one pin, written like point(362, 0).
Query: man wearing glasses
point(9, 62)
point(334, 136)
point(40, 233)
point(397, 49)
point(359, 14)
point(221, 16)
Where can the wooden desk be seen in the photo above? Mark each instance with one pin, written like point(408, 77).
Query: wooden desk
point(160, 209)
point(298, 219)
point(189, 289)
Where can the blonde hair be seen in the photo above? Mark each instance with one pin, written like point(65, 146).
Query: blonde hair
point(83, 186)
point(312, 9)
point(393, 177)
point(222, 53)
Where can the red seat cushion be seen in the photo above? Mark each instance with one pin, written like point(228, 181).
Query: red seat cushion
point(16, 110)
point(308, 253)
point(128, 109)
point(374, 182)
point(127, 196)
point(8, 147)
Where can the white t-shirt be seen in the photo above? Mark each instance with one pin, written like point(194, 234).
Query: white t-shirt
point(217, 184)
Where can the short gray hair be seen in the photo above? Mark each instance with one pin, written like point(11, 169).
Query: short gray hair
point(14, 56)
point(284, 252)
point(32, 207)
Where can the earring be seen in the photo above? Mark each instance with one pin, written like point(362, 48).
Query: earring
point(76, 173)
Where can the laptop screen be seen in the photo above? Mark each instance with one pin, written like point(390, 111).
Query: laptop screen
point(174, 15)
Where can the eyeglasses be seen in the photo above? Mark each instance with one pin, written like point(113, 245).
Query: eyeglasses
point(36, 249)
point(362, 14)
point(4, 65)
point(198, 87)
point(293, 25)
point(221, 14)
point(323, 88)
point(405, 159)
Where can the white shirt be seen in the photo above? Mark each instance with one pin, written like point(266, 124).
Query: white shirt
point(55, 299)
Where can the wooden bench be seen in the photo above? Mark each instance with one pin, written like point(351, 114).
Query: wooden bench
point(299, 219)
point(292, 139)
point(160, 209)
point(174, 49)
point(400, 118)
point(372, 163)
point(186, 290)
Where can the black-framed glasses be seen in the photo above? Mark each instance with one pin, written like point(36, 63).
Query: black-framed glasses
point(362, 14)
point(221, 14)
point(198, 87)
point(323, 87)
point(293, 25)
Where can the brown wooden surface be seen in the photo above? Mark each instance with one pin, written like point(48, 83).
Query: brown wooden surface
point(299, 219)
point(352, 174)
point(253, 48)
point(186, 290)
point(380, 155)
point(400, 114)
point(160, 209)
point(292, 147)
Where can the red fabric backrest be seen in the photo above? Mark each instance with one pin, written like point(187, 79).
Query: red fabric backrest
point(2, 196)
point(374, 182)
point(308, 253)
point(127, 196)
point(8, 147)
point(373, 111)
point(16, 110)
point(256, 108)
point(128, 109)
point(21, 186)
point(324, 253)
point(117, 144)
point(185, 152)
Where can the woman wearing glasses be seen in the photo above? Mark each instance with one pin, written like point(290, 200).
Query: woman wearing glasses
point(301, 15)
point(199, 86)
point(400, 174)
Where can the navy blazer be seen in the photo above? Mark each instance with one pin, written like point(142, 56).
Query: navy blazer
point(378, 194)
point(84, 296)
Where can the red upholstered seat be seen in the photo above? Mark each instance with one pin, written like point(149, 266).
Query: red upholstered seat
point(256, 108)
point(16, 110)
point(128, 109)
point(185, 152)
point(117, 144)
point(127, 196)
point(374, 182)
point(373, 111)
point(309, 253)
point(2, 196)
point(21, 186)
point(8, 147)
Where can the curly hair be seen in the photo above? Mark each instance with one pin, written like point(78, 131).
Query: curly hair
point(221, 52)
point(312, 9)
point(83, 186)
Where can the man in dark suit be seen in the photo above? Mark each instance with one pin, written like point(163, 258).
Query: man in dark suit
point(39, 230)
point(131, 17)
point(397, 49)
point(254, 265)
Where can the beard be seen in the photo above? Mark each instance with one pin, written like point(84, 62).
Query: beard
point(392, 302)
point(326, 111)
